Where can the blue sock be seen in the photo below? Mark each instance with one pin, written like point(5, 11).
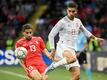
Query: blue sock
point(81, 73)
point(88, 73)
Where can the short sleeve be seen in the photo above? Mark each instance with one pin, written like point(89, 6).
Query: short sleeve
point(17, 44)
point(42, 44)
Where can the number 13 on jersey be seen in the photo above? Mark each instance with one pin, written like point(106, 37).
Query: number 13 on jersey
point(33, 48)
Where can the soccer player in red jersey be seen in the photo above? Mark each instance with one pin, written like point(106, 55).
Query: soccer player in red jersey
point(33, 63)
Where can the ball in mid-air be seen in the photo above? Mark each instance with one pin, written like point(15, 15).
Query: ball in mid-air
point(20, 52)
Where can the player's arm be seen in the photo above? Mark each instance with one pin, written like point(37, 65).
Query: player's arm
point(43, 48)
point(52, 34)
point(45, 51)
point(90, 35)
point(86, 32)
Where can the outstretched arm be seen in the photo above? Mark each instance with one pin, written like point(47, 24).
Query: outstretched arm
point(45, 51)
point(89, 34)
point(50, 55)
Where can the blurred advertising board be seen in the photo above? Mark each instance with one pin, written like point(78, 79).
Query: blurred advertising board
point(7, 57)
point(99, 61)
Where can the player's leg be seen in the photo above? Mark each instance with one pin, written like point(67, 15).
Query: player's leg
point(68, 57)
point(74, 68)
point(75, 73)
point(33, 73)
point(36, 75)
point(86, 67)
point(88, 73)
point(65, 54)
point(81, 61)
point(42, 69)
point(44, 77)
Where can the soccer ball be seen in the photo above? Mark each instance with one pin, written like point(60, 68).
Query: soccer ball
point(20, 52)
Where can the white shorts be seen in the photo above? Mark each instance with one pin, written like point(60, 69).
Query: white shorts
point(59, 54)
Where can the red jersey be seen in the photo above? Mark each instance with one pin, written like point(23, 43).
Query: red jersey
point(34, 48)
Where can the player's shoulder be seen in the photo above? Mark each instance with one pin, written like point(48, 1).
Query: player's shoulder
point(77, 19)
point(20, 40)
point(37, 38)
point(65, 19)
point(62, 20)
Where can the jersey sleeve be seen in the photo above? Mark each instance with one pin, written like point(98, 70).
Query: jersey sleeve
point(42, 44)
point(53, 33)
point(18, 44)
point(86, 32)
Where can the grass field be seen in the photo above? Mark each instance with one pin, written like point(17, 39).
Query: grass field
point(17, 73)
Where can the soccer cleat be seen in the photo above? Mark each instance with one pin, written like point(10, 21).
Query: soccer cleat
point(50, 68)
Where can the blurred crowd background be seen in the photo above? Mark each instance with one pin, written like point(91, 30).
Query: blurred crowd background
point(15, 13)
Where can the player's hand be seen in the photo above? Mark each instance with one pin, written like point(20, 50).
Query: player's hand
point(100, 40)
point(56, 59)
point(53, 51)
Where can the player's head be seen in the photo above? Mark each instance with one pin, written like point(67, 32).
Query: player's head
point(27, 31)
point(71, 9)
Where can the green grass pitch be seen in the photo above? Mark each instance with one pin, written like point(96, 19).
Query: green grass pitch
point(17, 73)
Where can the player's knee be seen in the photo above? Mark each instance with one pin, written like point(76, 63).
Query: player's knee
point(39, 79)
point(36, 77)
point(71, 60)
point(46, 77)
point(76, 77)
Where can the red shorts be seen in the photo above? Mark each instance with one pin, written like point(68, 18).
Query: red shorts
point(40, 69)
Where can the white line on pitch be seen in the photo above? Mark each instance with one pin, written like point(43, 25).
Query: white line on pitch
point(13, 73)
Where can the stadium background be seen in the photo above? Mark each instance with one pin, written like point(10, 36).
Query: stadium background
point(43, 14)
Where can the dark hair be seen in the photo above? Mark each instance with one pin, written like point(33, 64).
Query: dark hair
point(26, 26)
point(71, 4)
